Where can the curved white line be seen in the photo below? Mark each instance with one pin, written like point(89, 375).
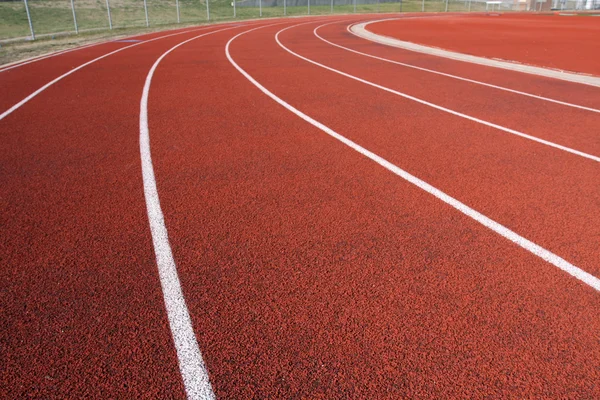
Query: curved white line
point(437, 107)
point(564, 103)
point(503, 231)
point(47, 85)
point(191, 365)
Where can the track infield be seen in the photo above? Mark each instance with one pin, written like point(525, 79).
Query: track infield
point(551, 41)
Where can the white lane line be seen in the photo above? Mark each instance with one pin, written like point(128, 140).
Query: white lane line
point(191, 365)
point(47, 85)
point(437, 107)
point(503, 231)
point(315, 32)
point(361, 31)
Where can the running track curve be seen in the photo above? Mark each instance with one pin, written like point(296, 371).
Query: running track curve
point(306, 268)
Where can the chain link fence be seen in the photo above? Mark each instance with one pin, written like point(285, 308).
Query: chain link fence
point(28, 19)
point(578, 5)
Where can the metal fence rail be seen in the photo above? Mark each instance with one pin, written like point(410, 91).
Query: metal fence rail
point(28, 19)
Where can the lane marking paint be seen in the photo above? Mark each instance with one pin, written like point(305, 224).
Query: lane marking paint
point(191, 365)
point(503, 231)
point(361, 31)
point(315, 32)
point(46, 86)
point(437, 107)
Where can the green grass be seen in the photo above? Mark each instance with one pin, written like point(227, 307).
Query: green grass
point(55, 16)
point(52, 18)
point(223, 10)
point(21, 49)
point(13, 20)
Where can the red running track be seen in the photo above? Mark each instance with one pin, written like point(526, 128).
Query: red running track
point(308, 269)
point(567, 43)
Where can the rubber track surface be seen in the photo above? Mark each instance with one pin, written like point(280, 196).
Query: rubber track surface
point(309, 271)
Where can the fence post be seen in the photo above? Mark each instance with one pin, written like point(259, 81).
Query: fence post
point(146, 12)
point(469, 5)
point(207, 11)
point(423, 6)
point(260, 8)
point(234, 13)
point(446, 5)
point(400, 5)
point(177, 5)
point(284, 8)
point(109, 17)
point(29, 19)
point(308, 7)
point(354, 5)
point(74, 17)
point(332, 6)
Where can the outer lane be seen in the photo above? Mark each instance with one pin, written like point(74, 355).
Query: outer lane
point(82, 306)
point(17, 83)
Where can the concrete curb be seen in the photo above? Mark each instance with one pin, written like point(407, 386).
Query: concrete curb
point(361, 31)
